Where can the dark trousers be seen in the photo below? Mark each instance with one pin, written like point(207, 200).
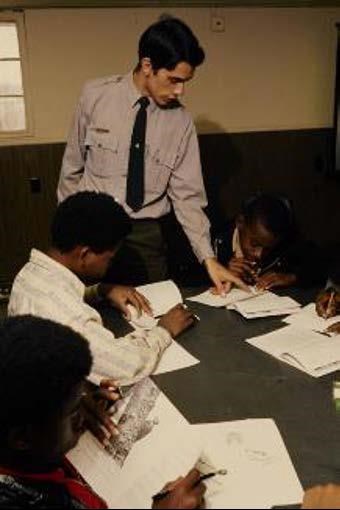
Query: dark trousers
point(142, 257)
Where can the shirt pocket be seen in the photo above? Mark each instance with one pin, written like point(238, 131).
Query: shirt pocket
point(101, 152)
point(160, 165)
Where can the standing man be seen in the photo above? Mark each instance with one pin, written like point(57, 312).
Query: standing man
point(131, 138)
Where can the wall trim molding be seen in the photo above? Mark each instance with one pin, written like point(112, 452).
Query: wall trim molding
point(48, 4)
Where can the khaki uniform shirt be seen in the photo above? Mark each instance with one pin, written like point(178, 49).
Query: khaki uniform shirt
point(97, 156)
point(44, 288)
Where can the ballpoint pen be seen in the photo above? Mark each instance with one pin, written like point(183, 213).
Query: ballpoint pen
point(164, 493)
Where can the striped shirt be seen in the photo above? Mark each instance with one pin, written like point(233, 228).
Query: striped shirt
point(47, 289)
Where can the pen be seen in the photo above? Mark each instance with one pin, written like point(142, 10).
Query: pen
point(194, 314)
point(120, 391)
point(264, 269)
point(329, 305)
point(324, 333)
point(163, 494)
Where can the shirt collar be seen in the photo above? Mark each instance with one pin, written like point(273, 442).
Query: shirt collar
point(56, 476)
point(134, 94)
point(41, 259)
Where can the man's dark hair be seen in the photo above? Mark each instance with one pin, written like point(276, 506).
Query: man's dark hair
point(274, 212)
point(89, 219)
point(41, 362)
point(168, 42)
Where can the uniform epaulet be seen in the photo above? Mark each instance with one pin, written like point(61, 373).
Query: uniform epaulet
point(100, 82)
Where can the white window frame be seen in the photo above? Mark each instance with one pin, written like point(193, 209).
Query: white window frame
point(19, 19)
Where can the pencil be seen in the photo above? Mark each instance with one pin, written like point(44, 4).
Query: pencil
point(329, 305)
point(210, 475)
point(163, 494)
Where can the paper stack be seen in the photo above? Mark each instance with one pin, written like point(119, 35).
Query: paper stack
point(217, 301)
point(265, 305)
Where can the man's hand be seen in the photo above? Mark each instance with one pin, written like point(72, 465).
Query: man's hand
point(222, 277)
point(326, 308)
point(184, 493)
point(327, 496)
point(177, 320)
point(121, 296)
point(273, 280)
point(96, 404)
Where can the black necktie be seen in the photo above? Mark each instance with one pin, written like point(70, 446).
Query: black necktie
point(135, 178)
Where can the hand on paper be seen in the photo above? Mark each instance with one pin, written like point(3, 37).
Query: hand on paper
point(325, 307)
point(222, 277)
point(326, 496)
point(121, 296)
point(184, 492)
point(273, 280)
point(96, 404)
point(177, 320)
point(334, 328)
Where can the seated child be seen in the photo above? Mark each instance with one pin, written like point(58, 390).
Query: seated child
point(43, 368)
point(328, 301)
point(263, 246)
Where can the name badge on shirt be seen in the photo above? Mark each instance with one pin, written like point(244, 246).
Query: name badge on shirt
point(99, 130)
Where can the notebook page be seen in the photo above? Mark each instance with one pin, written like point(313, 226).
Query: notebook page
point(280, 341)
point(288, 343)
point(319, 353)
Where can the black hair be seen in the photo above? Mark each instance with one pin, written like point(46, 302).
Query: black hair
point(274, 212)
point(89, 219)
point(169, 42)
point(41, 362)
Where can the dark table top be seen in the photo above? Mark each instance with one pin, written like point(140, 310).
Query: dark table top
point(234, 380)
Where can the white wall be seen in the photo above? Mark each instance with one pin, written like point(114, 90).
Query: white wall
point(271, 69)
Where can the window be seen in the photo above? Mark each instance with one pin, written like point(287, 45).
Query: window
point(13, 117)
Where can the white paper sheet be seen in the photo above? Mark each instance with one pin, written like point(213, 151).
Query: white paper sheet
point(175, 358)
point(308, 351)
point(168, 451)
point(308, 319)
point(209, 299)
point(162, 296)
point(260, 471)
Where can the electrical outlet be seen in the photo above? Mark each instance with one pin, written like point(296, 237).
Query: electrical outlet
point(217, 24)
